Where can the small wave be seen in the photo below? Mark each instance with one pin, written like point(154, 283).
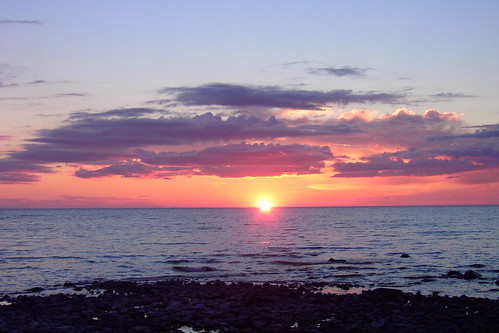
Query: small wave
point(346, 276)
point(176, 261)
point(311, 248)
point(296, 263)
point(211, 261)
point(187, 269)
point(341, 268)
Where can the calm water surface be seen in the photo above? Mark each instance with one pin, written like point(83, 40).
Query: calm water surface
point(51, 246)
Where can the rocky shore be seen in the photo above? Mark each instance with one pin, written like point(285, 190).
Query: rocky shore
point(172, 306)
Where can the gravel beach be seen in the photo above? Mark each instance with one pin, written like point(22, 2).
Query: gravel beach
point(177, 306)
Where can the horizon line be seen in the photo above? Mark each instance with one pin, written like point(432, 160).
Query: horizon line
point(255, 207)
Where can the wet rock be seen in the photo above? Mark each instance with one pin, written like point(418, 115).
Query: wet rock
point(455, 274)
point(405, 255)
point(337, 260)
point(385, 293)
point(470, 275)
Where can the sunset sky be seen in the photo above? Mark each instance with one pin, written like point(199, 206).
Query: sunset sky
point(226, 103)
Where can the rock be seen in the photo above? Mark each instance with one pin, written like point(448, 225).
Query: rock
point(35, 289)
point(405, 255)
point(455, 274)
point(386, 293)
point(497, 283)
point(470, 275)
point(337, 260)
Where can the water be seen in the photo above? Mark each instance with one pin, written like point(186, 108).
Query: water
point(46, 247)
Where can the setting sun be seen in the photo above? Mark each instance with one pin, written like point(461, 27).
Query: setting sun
point(265, 205)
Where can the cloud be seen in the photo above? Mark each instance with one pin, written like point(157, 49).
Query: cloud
point(13, 171)
point(450, 155)
point(447, 96)
point(71, 95)
point(234, 160)
point(144, 142)
point(404, 163)
point(113, 134)
point(400, 129)
point(273, 96)
point(35, 22)
point(127, 170)
point(340, 71)
point(119, 113)
point(483, 132)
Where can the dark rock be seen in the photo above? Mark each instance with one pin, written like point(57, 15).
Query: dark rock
point(35, 289)
point(405, 255)
point(337, 260)
point(386, 293)
point(470, 275)
point(497, 283)
point(455, 274)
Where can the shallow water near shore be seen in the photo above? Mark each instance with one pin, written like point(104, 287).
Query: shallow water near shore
point(352, 246)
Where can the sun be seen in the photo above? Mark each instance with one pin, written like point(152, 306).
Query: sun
point(265, 205)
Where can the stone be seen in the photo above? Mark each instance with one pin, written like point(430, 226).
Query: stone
point(471, 274)
point(386, 293)
point(455, 274)
point(337, 260)
point(405, 255)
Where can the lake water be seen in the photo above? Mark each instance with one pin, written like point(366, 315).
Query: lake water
point(46, 247)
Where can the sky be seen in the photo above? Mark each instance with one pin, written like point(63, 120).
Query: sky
point(226, 103)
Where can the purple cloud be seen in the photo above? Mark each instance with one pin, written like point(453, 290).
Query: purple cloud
point(127, 170)
point(394, 164)
point(128, 143)
point(14, 171)
point(235, 160)
point(113, 134)
point(273, 96)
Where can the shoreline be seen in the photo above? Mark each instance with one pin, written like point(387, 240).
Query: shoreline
point(216, 306)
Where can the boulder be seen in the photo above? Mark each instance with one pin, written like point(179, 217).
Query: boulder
point(471, 274)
